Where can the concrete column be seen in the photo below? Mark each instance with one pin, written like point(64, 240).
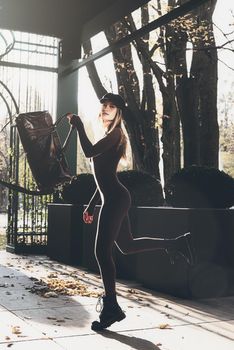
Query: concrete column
point(67, 102)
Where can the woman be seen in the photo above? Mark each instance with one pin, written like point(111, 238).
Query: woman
point(113, 223)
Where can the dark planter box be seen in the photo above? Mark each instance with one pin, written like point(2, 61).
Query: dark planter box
point(213, 240)
point(65, 233)
point(71, 241)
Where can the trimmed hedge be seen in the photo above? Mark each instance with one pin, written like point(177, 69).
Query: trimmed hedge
point(200, 187)
point(145, 189)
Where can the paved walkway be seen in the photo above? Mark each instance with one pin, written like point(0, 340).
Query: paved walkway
point(48, 305)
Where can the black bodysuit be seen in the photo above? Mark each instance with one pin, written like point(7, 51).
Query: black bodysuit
point(115, 198)
point(106, 155)
point(113, 223)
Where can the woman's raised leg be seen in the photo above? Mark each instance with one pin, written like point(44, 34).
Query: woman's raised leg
point(129, 245)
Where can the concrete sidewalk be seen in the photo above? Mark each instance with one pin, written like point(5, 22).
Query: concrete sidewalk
point(38, 311)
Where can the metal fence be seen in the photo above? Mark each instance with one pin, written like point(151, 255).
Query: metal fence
point(28, 77)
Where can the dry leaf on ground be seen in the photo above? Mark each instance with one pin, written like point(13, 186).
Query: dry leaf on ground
point(52, 287)
point(15, 330)
point(164, 326)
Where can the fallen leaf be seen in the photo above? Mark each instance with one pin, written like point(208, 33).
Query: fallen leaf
point(51, 295)
point(53, 275)
point(15, 330)
point(52, 287)
point(132, 291)
point(164, 326)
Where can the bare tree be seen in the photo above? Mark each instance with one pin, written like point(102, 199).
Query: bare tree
point(140, 119)
point(189, 98)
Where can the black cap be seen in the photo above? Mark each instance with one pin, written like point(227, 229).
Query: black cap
point(115, 99)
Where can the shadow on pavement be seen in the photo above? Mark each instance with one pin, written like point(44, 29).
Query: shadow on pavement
point(17, 295)
point(131, 341)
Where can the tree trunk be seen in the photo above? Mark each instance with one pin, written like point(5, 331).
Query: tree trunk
point(204, 69)
point(92, 72)
point(170, 136)
point(175, 61)
point(188, 102)
point(197, 94)
point(148, 107)
point(140, 119)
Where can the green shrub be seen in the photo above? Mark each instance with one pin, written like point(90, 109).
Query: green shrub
point(145, 189)
point(200, 187)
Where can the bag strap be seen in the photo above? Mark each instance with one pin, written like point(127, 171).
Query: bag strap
point(24, 190)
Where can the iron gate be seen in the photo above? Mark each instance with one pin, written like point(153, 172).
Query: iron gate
point(28, 76)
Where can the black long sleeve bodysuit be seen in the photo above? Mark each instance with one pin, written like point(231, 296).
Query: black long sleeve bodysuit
point(113, 223)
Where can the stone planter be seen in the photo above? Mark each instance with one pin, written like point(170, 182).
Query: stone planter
point(213, 240)
point(65, 233)
point(71, 241)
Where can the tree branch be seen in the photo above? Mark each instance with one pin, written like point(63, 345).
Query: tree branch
point(229, 67)
point(209, 48)
point(92, 71)
point(141, 48)
point(226, 35)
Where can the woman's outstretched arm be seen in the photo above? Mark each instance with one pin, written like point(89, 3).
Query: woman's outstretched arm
point(101, 146)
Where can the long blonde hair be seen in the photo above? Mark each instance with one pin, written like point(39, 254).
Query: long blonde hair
point(118, 122)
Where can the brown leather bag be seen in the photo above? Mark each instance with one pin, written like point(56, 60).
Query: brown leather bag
point(43, 149)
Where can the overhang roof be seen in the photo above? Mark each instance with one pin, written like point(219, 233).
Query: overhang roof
point(64, 18)
point(74, 21)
